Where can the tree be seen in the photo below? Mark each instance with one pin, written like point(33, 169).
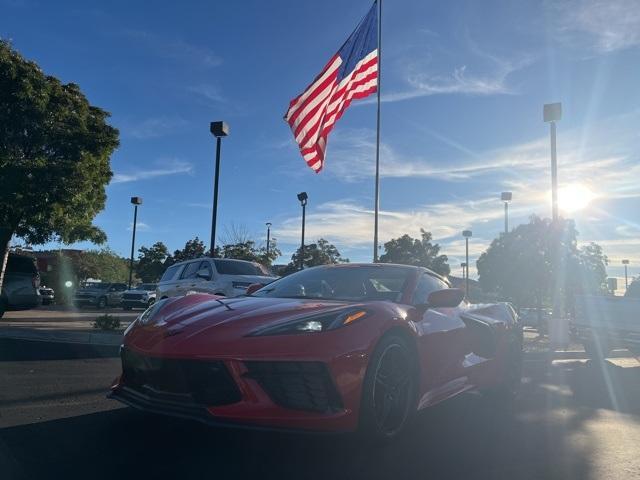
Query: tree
point(247, 250)
point(102, 265)
point(151, 262)
point(539, 263)
point(192, 249)
point(54, 157)
point(320, 253)
point(418, 252)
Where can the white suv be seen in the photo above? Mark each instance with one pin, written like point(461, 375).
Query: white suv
point(220, 276)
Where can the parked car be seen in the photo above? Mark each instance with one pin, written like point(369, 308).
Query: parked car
point(220, 276)
point(331, 348)
point(20, 285)
point(143, 296)
point(47, 294)
point(100, 294)
point(603, 323)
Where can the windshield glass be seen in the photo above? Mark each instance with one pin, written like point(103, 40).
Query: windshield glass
point(349, 283)
point(234, 267)
point(146, 286)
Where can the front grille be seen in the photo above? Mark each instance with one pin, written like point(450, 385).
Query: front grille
point(132, 296)
point(191, 381)
point(297, 385)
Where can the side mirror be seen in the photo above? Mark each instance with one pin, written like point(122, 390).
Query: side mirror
point(254, 287)
point(204, 274)
point(446, 298)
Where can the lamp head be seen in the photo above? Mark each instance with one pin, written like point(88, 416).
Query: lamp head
point(302, 197)
point(506, 196)
point(219, 129)
point(136, 200)
point(625, 262)
point(467, 233)
point(552, 112)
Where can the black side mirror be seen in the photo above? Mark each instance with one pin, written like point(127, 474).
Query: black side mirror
point(254, 287)
point(445, 298)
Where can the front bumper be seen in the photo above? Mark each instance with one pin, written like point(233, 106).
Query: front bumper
point(281, 395)
point(85, 300)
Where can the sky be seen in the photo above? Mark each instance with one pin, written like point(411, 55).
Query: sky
point(463, 85)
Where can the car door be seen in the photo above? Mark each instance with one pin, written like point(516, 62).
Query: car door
point(442, 344)
point(188, 277)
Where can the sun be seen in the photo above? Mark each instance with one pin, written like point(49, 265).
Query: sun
point(574, 197)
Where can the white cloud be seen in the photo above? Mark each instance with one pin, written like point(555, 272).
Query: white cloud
point(173, 167)
point(610, 25)
point(155, 127)
point(140, 227)
point(175, 49)
point(209, 92)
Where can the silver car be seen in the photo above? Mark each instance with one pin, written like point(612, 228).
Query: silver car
point(21, 283)
point(99, 294)
point(220, 276)
point(143, 296)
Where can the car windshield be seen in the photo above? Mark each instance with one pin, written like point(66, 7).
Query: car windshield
point(235, 267)
point(146, 286)
point(347, 283)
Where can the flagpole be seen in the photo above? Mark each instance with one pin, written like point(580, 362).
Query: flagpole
point(377, 194)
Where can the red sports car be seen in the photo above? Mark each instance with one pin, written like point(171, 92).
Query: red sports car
point(332, 348)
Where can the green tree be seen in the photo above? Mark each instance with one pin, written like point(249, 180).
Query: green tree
point(320, 253)
point(539, 263)
point(151, 262)
point(192, 249)
point(101, 264)
point(418, 252)
point(247, 250)
point(634, 289)
point(54, 157)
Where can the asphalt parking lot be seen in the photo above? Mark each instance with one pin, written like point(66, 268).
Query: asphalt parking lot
point(574, 419)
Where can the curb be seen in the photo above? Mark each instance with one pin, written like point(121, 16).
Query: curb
point(569, 355)
point(62, 336)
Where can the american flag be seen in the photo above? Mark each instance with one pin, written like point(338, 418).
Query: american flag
point(351, 73)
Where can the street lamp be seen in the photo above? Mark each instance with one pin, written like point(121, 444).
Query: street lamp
point(625, 262)
point(464, 269)
point(219, 130)
point(268, 224)
point(466, 234)
point(506, 198)
point(302, 197)
point(552, 112)
point(135, 201)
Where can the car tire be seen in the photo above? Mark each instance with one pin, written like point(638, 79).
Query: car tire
point(389, 393)
point(102, 303)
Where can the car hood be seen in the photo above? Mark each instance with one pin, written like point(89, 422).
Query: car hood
point(148, 292)
point(208, 324)
point(91, 291)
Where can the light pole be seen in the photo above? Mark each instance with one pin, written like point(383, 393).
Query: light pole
point(552, 112)
point(135, 201)
point(219, 130)
point(625, 262)
point(268, 224)
point(506, 198)
point(302, 197)
point(464, 269)
point(466, 234)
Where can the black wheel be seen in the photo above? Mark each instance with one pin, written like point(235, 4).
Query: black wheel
point(102, 302)
point(389, 390)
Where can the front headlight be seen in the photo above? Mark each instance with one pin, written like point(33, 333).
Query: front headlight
point(314, 323)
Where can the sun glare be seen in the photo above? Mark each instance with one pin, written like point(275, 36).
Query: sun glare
point(574, 197)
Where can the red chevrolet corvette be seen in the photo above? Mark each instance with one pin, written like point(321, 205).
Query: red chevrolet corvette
point(332, 348)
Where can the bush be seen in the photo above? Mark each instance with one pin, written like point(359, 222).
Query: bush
point(107, 322)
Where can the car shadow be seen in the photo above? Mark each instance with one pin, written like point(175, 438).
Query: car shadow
point(18, 350)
